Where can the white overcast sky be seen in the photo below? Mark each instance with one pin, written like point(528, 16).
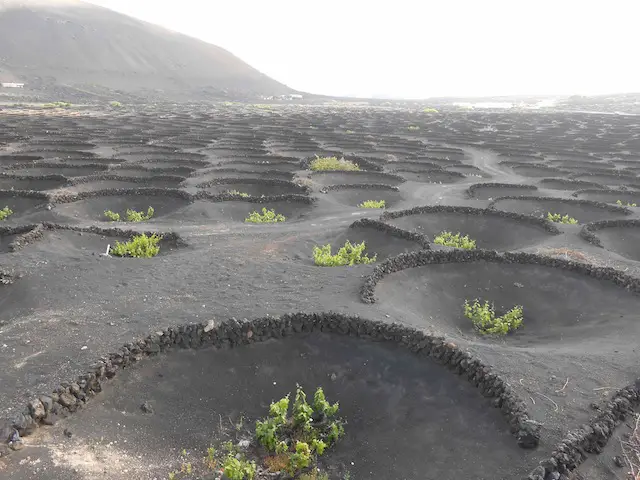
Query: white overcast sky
point(419, 48)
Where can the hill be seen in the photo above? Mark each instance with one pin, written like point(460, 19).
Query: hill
point(69, 43)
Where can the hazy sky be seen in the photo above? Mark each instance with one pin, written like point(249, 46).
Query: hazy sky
point(419, 48)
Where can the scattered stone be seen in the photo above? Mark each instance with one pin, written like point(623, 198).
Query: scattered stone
point(47, 403)
point(618, 461)
point(68, 433)
point(209, 326)
point(146, 407)
point(16, 445)
point(529, 434)
point(67, 400)
point(37, 409)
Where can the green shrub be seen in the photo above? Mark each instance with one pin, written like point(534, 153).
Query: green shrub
point(140, 246)
point(112, 216)
point(430, 110)
point(238, 193)
point(448, 239)
point(268, 216)
point(5, 213)
point(57, 105)
point(619, 202)
point(373, 204)
point(324, 164)
point(131, 215)
point(484, 318)
point(350, 254)
point(115, 104)
point(312, 428)
point(300, 459)
point(413, 128)
point(557, 218)
point(349, 132)
point(238, 468)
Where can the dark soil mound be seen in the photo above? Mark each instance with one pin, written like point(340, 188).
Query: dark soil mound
point(93, 208)
point(67, 171)
point(106, 182)
point(564, 184)
point(380, 239)
point(354, 196)
point(622, 239)
point(397, 406)
point(248, 173)
point(432, 176)
point(22, 204)
point(537, 171)
point(256, 167)
point(238, 211)
point(489, 191)
point(75, 244)
point(490, 230)
point(32, 183)
point(539, 206)
point(610, 196)
point(254, 188)
point(342, 178)
point(611, 179)
point(560, 306)
point(13, 159)
point(468, 170)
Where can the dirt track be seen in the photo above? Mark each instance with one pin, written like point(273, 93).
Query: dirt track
point(69, 305)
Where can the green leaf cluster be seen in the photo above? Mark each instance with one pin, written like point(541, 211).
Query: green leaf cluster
point(238, 193)
point(131, 215)
point(448, 239)
point(413, 128)
point(308, 431)
point(484, 318)
point(323, 164)
point(622, 204)
point(57, 105)
point(350, 254)
point(373, 204)
point(267, 216)
point(140, 246)
point(5, 213)
point(557, 218)
point(238, 468)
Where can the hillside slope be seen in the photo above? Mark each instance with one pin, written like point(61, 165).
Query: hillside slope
point(69, 42)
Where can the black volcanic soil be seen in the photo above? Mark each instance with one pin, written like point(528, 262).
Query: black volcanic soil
point(398, 406)
point(559, 306)
point(624, 241)
point(491, 232)
point(353, 197)
point(93, 208)
point(408, 417)
point(582, 212)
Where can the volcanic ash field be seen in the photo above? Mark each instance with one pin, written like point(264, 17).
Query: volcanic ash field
point(120, 367)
